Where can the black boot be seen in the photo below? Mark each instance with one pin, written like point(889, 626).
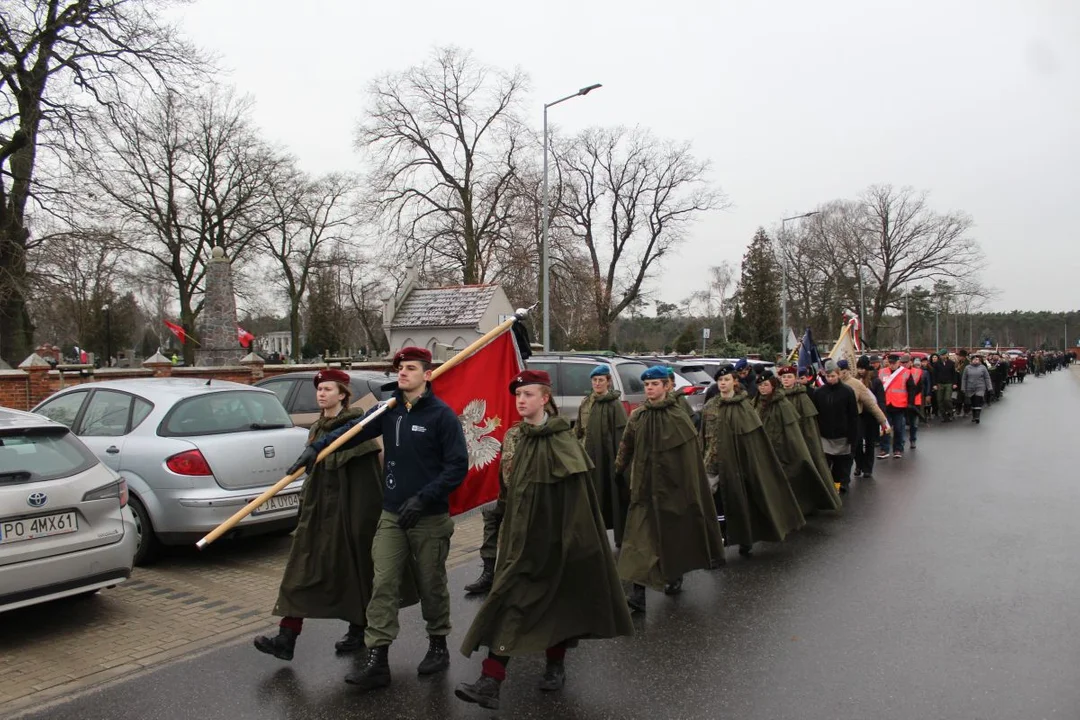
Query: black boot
point(975, 413)
point(636, 599)
point(674, 587)
point(483, 583)
point(484, 692)
point(374, 672)
point(437, 658)
point(280, 646)
point(352, 642)
point(554, 676)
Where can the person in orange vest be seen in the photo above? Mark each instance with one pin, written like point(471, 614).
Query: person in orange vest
point(915, 407)
point(899, 393)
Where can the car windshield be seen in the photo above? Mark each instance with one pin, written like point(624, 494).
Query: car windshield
point(695, 374)
point(225, 412)
point(36, 454)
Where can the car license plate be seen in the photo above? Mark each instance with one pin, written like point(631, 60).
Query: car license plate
point(12, 531)
point(279, 502)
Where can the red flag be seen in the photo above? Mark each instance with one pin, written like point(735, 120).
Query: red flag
point(478, 389)
point(177, 331)
point(244, 336)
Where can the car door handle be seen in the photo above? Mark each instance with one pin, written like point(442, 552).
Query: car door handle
point(112, 450)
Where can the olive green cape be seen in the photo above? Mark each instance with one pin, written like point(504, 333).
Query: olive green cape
point(757, 499)
point(555, 576)
point(781, 422)
point(601, 421)
point(671, 526)
point(808, 412)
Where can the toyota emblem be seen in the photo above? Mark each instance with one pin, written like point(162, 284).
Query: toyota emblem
point(37, 499)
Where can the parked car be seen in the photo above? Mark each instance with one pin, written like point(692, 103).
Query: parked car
point(65, 528)
point(695, 393)
point(296, 390)
point(192, 451)
point(571, 383)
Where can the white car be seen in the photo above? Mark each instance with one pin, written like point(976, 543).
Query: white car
point(65, 528)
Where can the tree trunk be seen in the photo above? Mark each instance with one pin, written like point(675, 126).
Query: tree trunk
point(187, 321)
point(294, 328)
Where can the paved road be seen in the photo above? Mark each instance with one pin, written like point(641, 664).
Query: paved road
point(947, 588)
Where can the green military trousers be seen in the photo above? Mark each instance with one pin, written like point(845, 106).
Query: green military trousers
point(492, 522)
point(427, 544)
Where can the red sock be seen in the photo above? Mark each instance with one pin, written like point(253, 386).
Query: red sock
point(292, 623)
point(493, 669)
point(556, 653)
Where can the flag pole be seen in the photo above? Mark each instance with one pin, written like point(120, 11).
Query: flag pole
point(352, 432)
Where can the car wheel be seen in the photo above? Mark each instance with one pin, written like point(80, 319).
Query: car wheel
point(148, 545)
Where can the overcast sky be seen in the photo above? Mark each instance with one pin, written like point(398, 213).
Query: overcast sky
point(794, 102)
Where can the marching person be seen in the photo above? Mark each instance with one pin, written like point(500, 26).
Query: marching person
point(671, 524)
point(800, 396)
point(961, 404)
point(555, 579)
point(747, 377)
point(899, 389)
point(872, 420)
point(943, 382)
point(425, 459)
point(329, 571)
point(600, 422)
point(838, 418)
point(758, 502)
point(680, 398)
point(914, 409)
point(781, 423)
point(976, 385)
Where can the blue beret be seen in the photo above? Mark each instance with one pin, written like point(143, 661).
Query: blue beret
point(741, 364)
point(670, 371)
point(656, 372)
point(600, 370)
point(843, 365)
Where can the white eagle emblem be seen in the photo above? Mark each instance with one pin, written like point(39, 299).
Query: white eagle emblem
point(483, 449)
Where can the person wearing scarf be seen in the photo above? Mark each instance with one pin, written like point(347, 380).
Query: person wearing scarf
point(781, 423)
point(600, 423)
point(555, 578)
point(757, 499)
point(671, 526)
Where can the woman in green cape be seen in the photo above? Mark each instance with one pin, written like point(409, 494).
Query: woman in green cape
point(781, 422)
point(555, 579)
point(799, 396)
point(756, 497)
point(600, 422)
point(671, 527)
point(329, 571)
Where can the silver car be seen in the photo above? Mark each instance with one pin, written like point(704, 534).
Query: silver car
point(64, 525)
point(193, 452)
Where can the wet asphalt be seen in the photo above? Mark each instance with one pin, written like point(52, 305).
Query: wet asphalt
point(947, 587)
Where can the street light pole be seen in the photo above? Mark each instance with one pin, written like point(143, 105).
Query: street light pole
point(108, 337)
point(907, 324)
point(545, 263)
point(937, 330)
point(783, 283)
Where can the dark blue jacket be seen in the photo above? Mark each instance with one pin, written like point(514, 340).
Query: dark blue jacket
point(425, 451)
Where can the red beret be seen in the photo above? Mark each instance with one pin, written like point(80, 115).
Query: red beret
point(788, 370)
point(529, 377)
point(411, 353)
point(331, 375)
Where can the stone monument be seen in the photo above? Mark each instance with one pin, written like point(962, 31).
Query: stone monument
point(217, 321)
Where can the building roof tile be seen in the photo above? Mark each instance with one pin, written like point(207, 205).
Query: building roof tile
point(460, 306)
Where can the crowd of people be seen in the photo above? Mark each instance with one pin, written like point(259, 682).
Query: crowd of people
point(768, 452)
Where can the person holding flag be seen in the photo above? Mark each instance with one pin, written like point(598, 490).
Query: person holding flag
point(555, 580)
point(426, 458)
point(601, 420)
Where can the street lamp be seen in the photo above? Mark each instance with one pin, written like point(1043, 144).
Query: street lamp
point(783, 281)
point(545, 268)
point(108, 337)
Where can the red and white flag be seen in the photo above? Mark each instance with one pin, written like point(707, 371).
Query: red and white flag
point(176, 330)
point(478, 389)
point(244, 337)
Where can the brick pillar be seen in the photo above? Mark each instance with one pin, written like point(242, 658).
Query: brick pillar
point(161, 365)
point(37, 379)
point(254, 363)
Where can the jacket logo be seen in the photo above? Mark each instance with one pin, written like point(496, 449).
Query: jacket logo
point(483, 449)
point(419, 428)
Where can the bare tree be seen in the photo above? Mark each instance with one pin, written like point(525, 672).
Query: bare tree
point(185, 175)
point(57, 60)
point(444, 138)
point(305, 215)
point(629, 199)
point(721, 278)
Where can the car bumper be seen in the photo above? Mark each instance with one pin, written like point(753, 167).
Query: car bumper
point(190, 512)
point(52, 578)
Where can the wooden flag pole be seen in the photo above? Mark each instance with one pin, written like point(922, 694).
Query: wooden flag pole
point(348, 435)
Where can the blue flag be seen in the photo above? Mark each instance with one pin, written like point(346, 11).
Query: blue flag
point(809, 357)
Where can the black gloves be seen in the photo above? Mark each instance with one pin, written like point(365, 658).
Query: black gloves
point(409, 512)
point(305, 461)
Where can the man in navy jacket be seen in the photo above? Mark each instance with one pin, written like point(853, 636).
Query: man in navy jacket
point(426, 458)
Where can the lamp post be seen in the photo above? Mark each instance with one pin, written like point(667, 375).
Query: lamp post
point(545, 266)
point(783, 282)
point(108, 337)
point(907, 324)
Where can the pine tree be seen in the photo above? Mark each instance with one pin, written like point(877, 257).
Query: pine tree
point(759, 292)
